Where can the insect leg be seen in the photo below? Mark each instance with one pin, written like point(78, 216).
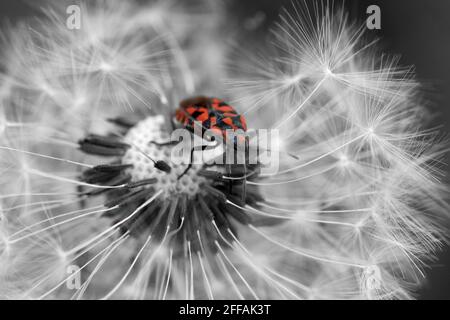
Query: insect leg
point(190, 163)
point(164, 144)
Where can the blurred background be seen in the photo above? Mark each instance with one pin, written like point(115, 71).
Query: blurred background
point(418, 30)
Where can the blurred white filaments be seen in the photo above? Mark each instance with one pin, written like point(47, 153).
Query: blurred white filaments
point(357, 213)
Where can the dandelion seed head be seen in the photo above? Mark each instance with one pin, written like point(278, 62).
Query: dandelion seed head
point(353, 212)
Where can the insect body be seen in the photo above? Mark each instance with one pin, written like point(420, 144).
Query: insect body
point(213, 114)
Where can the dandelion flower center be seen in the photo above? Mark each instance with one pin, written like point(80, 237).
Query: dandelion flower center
point(141, 137)
point(190, 207)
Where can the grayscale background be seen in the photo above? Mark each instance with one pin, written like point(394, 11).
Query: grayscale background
point(418, 30)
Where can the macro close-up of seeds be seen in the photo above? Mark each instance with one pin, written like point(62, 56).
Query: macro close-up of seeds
point(216, 150)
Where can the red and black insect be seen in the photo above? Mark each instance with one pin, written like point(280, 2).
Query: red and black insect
point(218, 116)
point(213, 114)
point(210, 114)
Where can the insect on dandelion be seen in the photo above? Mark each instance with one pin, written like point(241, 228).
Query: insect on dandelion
point(92, 186)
